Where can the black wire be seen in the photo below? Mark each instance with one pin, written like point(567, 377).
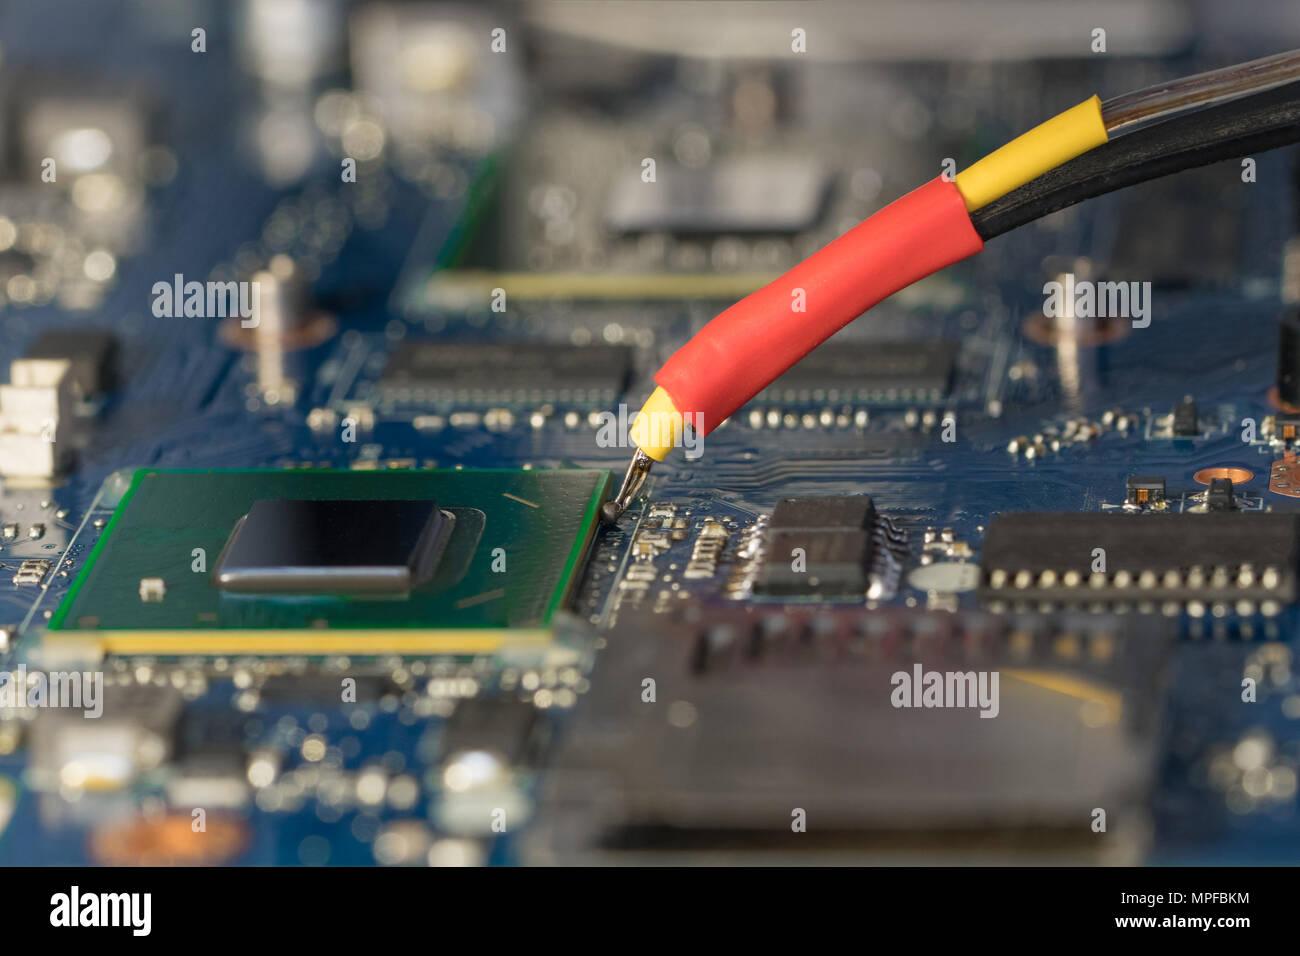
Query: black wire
point(1251, 124)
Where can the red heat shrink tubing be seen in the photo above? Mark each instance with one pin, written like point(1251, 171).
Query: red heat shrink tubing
point(747, 347)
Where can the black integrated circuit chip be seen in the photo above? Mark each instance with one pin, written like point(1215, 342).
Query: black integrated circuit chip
point(90, 353)
point(818, 547)
point(843, 512)
point(511, 728)
point(822, 562)
point(478, 372)
point(1183, 423)
point(1151, 562)
point(1145, 492)
point(793, 708)
point(878, 372)
point(291, 546)
point(755, 193)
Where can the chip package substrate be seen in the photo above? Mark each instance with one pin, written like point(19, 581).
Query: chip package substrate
point(515, 542)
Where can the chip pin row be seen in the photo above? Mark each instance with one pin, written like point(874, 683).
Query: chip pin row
point(1218, 577)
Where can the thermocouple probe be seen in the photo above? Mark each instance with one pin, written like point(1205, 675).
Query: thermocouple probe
point(748, 346)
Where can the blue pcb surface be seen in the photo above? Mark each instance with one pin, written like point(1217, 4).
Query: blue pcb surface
point(185, 401)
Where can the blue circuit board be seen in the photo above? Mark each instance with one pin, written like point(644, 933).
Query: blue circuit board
point(1025, 425)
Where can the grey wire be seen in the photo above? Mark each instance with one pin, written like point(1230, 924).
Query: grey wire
point(1204, 89)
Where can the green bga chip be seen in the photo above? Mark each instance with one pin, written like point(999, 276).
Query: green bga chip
point(333, 562)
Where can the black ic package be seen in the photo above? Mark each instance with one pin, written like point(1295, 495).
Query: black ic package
point(1243, 560)
point(1145, 492)
point(308, 546)
point(818, 547)
point(91, 355)
point(1183, 421)
point(425, 371)
point(880, 372)
point(810, 562)
point(845, 512)
point(1220, 496)
point(511, 728)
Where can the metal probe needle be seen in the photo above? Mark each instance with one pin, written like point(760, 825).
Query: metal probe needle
point(637, 471)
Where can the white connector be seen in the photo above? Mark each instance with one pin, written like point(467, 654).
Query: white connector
point(35, 417)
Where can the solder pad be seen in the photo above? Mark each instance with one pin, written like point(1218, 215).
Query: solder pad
point(518, 543)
